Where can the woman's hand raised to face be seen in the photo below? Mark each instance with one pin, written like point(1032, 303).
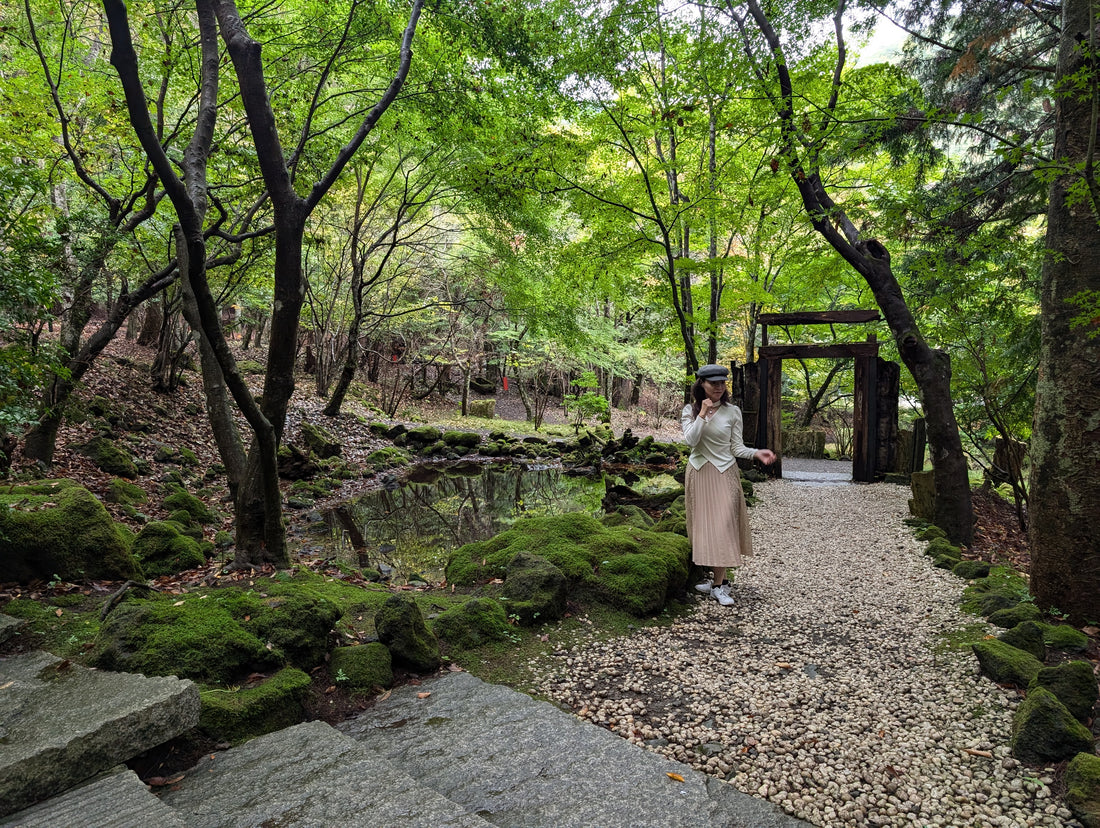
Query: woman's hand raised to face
point(707, 408)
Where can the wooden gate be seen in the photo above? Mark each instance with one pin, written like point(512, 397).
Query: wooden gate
point(875, 415)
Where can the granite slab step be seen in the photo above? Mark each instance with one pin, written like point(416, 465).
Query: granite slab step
point(61, 723)
point(308, 775)
point(516, 761)
point(118, 799)
point(9, 627)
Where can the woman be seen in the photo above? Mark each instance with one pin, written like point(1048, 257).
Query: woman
point(717, 519)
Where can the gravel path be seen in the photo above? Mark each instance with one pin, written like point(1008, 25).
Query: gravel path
point(827, 688)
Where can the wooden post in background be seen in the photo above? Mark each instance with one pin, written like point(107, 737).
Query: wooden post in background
point(773, 434)
point(886, 392)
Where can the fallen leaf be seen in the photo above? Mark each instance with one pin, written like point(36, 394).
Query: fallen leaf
point(1093, 631)
point(330, 689)
point(385, 695)
point(6, 685)
point(454, 668)
point(985, 754)
point(178, 604)
point(675, 776)
point(57, 612)
point(784, 665)
point(544, 637)
point(423, 695)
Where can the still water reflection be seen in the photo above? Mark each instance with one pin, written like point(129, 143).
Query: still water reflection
point(412, 527)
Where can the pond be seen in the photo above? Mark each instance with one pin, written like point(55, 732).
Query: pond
point(408, 530)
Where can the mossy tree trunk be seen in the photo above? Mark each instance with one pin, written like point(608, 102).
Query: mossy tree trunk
point(1064, 501)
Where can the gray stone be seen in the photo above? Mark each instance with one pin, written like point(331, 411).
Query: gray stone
point(401, 627)
point(61, 723)
point(9, 627)
point(517, 761)
point(1043, 730)
point(116, 800)
point(1026, 636)
point(536, 589)
point(308, 775)
point(1074, 683)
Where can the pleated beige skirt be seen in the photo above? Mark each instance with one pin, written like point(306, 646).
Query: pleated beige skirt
point(717, 517)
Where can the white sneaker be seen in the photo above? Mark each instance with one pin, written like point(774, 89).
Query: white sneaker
point(722, 594)
point(705, 587)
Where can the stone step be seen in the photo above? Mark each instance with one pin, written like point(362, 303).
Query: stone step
point(9, 627)
point(117, 799)
point(61, 723)
point(308, 775)
point(516, 761)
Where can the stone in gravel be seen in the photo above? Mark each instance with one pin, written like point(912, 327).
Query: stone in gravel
point(1073, 683)
point(1043, 730)
point(1083, 788)
point(1026, 636)
point(942, 547)
point(1006, 664)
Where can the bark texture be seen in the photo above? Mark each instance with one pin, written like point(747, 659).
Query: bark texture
point(1065, 446)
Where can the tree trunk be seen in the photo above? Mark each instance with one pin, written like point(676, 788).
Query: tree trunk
point(1065, 443)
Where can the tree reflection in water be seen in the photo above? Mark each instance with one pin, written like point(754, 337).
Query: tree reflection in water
point(413, 527)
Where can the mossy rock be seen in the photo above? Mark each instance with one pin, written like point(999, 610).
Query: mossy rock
point(363, 669)
point(188, 457)
point(1082, 781)
point(237, 714)
point(1043, 730)
point(970, 570)
point(627, 515)
point(60, 528)
point(1065, 637)
point(125, 493)
point(929, 533)
point(250, 366)
point(535, 589)
point(388, 457)
point(473, 623)
point(467, 440)
point(378, 429)
point(486, 409)
point(942, 548)
point(945, 562)
point(1074, 683)
point(671, 523)
point(1003, 588)
point(1009, 618)
point(217, 637)
point(400, 626)
point(202, 640)
point(423, 436)
point(109, 457)
point(1006, 664)
point(320, 441)
point(582, 548)
point(1026, 636)
point(165, 550)
point(186, 501)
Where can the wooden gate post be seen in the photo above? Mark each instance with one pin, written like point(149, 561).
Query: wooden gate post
point(865, 425)
point(773, 416)
point(889, 383)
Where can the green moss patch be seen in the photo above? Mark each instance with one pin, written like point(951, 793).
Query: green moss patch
point(363, 669)
point(587, 553)
point(1000, 589)
point(236, 714)
point(124, 492)
point(109, 457)
point(473, 623)
point(1074, 683)
point(1083, 788)
point(60, 529)
point(164, 549)
point(1043, 730)
point(1005, 664)
point(187, 502)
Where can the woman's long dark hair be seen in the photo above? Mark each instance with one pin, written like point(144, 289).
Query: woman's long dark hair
point(698, 395)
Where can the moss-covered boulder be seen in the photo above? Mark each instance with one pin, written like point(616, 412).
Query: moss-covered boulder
point(388, 457)
point(125, 493)
point(584, 550)
point(1065, 637)
point(1008, 618)
point(181, 499)
point(942, 548)
point(969, 570)
point(1074, 683)
point(1006, 664)
point(164, 549)
point(1083, 788)
point(320, 441)
point(536, 590)
point(465, 441)
point(216, 637)
point(203, 640)
point(109, 457)
point(400, 626)
point(422, 436)
point(929, 533)
point(473, 623)
point(60, 528)
point(486, 409)
point(627, 515)
point(362, 670)
point(1043, 730)
point(239, 713)
point(1026, 636)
